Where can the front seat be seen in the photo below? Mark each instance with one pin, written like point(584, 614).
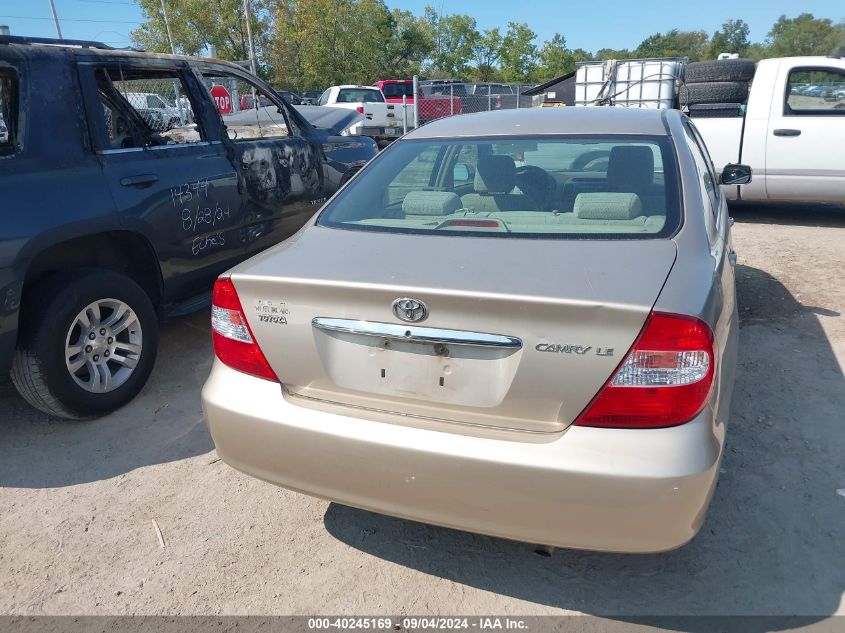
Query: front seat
point(630, 169)
point(495, 179)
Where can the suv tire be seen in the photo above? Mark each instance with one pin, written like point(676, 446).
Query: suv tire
point(69, 325)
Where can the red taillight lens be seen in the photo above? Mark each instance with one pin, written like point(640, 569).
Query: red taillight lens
point(665, 379)
point(234, 343)
point(360, 109)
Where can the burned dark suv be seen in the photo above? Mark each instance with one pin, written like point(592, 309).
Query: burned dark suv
point(129, 181)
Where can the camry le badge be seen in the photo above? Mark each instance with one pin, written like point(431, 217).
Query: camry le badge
point(410, 310)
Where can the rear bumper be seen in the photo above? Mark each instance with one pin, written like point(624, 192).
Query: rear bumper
point(381, 133)
point(597, 489)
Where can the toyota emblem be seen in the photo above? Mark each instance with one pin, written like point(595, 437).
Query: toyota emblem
point(410, 310)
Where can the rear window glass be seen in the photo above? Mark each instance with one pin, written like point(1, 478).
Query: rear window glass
point(570, 187)
point(398, 90)
point(8, 113)
point(359, 95)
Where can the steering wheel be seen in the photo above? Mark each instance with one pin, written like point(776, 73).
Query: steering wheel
point(537, 184)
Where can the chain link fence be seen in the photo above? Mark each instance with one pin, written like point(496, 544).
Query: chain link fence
point(447, 98)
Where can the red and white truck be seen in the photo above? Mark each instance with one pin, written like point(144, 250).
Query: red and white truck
point(430, 107)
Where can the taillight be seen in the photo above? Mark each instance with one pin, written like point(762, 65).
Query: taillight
point(665, 379)
point(234, 343)
point(360, 109)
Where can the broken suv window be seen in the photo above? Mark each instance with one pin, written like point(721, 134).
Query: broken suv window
point(8, 113)
point(247, 112)
point(143, 106)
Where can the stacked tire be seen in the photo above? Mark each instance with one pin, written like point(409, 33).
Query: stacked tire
point(716, 88)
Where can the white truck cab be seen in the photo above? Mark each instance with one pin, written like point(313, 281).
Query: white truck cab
point(792, 134)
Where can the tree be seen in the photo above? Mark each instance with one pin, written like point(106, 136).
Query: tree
point(614, 53)
point(731, 38)
point(518, 53)
point(409, 46)
point(487, 50)
point(195, 24)
point(675, 43)
point(318, 43)
point(805, 35)
point(454, 40)
point(554, 58)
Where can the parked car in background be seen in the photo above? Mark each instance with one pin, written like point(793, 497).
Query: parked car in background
point(291, 97)
point(548, 355)
point(109, 223)
point(432, 106)
point(160, 114)
point(310, 98)
point(382, 121)
point(247, 102)
point(493, 96)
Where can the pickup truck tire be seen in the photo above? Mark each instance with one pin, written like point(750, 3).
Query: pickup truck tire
point(713, 92)
point(720, 70)
point(63, 340)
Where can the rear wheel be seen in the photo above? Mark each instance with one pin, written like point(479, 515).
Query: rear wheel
point(87, 344)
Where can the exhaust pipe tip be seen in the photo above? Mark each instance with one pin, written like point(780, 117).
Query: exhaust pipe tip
point(544, 550)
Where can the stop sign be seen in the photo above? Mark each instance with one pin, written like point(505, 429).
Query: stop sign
point(222, 98)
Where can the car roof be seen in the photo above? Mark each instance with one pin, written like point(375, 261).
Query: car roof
point(548, 121)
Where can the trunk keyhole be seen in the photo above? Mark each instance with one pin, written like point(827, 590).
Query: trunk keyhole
point(383, 373)
point(442, 381)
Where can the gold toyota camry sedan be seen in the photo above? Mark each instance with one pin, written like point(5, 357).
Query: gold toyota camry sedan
point(518, 323)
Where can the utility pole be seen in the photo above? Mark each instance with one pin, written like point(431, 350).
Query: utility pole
point(167, 25)
point(56, 19)
point(251, 51)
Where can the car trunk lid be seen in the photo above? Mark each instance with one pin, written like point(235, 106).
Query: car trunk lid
point(520, 333)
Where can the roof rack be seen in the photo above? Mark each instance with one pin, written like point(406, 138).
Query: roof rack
point(19, 39)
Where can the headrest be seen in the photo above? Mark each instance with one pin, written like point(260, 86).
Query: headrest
point(495, 174)
point(630, 168)
point(431, 203)
point(607, 206)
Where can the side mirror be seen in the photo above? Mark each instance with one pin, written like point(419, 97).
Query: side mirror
point(735, 175)
point(462, 172)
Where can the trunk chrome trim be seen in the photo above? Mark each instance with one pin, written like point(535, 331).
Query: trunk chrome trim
point(415, 334)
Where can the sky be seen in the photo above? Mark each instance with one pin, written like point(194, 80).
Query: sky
point(614, 23)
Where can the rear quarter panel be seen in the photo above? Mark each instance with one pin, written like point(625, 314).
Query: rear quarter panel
point(701, 283)
point(52, 188)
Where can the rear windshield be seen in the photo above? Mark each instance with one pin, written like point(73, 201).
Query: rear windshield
point(444, 90)
point(359, 95)
point(570, 187)
point(398, 90)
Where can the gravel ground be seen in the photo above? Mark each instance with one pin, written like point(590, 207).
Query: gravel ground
point(79, 499)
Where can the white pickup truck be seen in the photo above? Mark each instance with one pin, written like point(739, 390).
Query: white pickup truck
point(382, 121)
point(783, 117)
point(792, 134)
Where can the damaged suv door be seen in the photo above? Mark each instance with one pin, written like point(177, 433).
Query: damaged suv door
point(279, 166)
point(175, 184)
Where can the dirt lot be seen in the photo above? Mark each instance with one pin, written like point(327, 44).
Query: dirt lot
point(78, 499)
